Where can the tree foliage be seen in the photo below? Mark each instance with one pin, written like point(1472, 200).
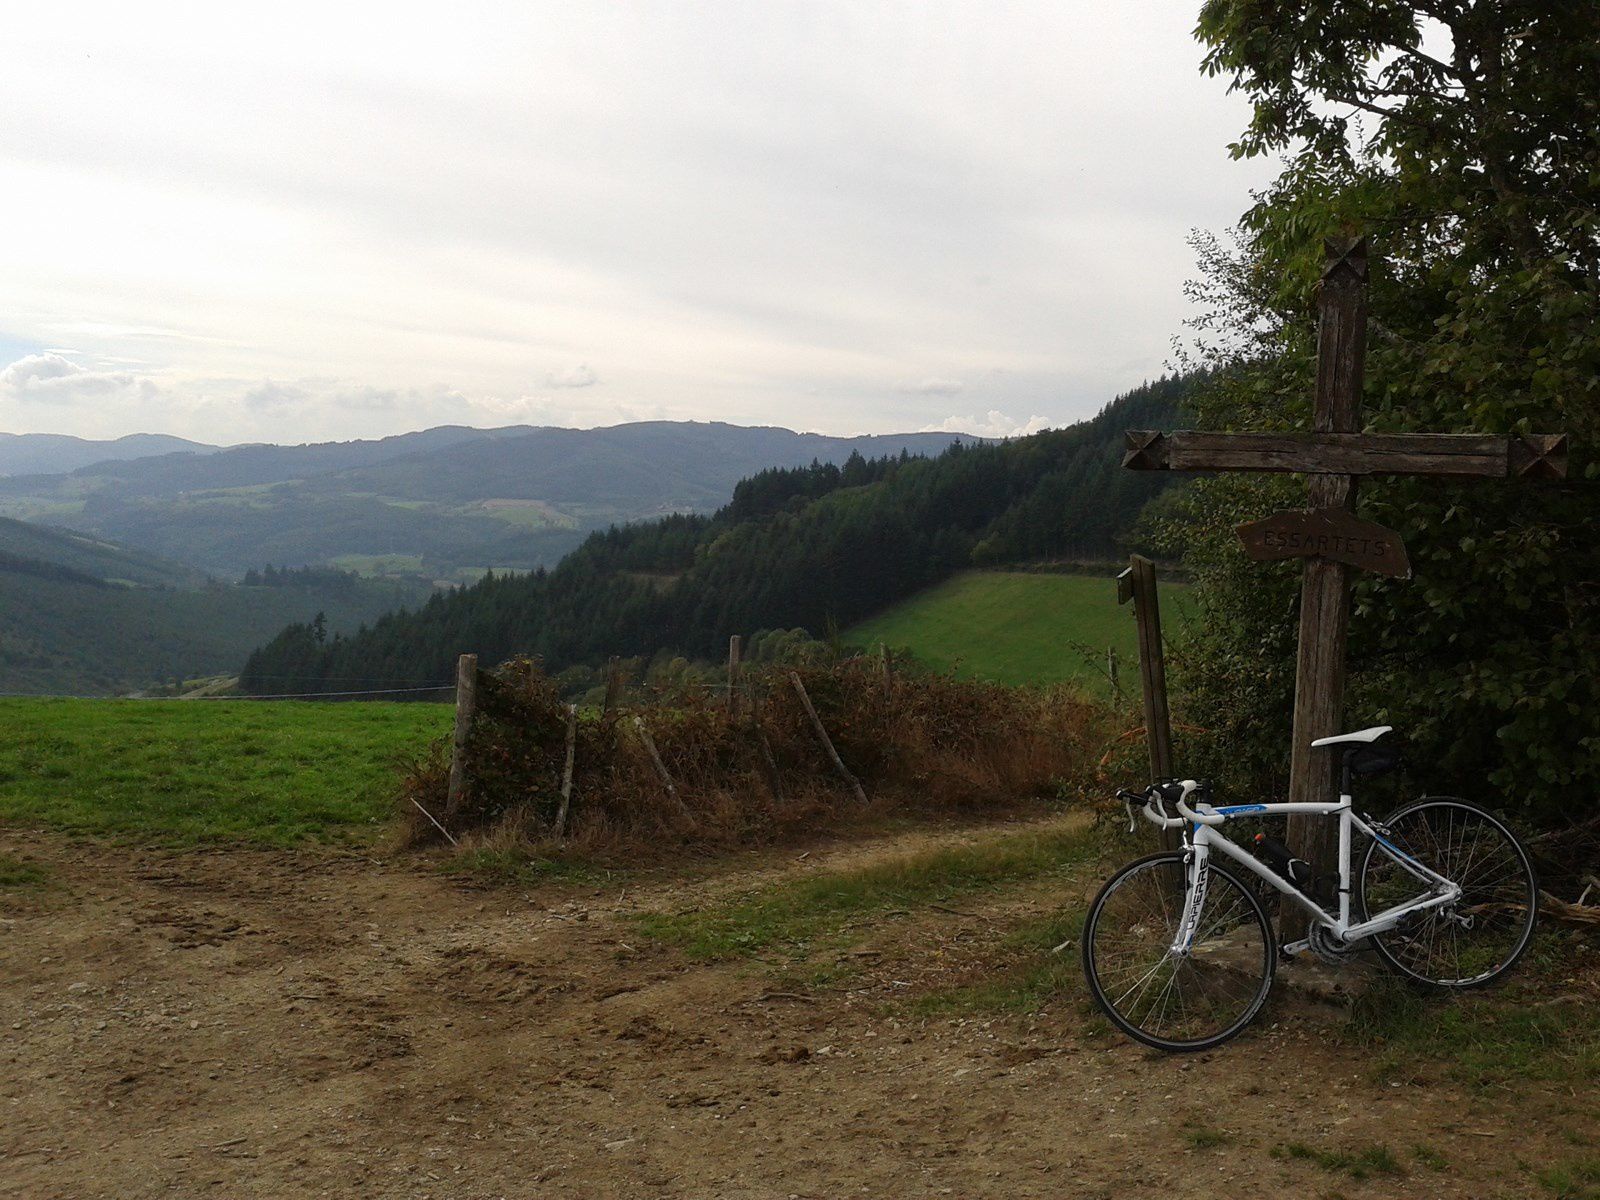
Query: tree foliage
point(1464, 139)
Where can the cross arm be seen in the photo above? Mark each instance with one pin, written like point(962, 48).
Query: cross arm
point(1533, 456)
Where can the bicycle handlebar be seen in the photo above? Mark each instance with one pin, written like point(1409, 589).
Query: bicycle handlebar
point(1199, 818)
point(1151, 798)
point(1154, 807)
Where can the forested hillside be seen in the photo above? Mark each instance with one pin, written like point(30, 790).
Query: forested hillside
point(79, 615)
point(819, 547)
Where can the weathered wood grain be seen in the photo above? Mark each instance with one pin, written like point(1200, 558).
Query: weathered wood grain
point(1138, 583)
point(1326, 533)
point(466, 705)
point(566, 770)
point(1340, 453)
point(1325, 583)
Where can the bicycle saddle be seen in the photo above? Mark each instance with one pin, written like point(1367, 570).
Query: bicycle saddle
point(1360, 737)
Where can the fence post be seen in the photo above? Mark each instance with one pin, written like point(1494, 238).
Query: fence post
point(1138, 583)
point(613, 686)
point(768, 763)
point(466, 703)
point(735, 647)
point(566, 773)
point(827, 742)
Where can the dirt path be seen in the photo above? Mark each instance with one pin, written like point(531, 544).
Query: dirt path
point(253, 1024)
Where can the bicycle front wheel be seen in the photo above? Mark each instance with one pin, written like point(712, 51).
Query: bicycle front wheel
point(1479, 937)
point(1178, 1001)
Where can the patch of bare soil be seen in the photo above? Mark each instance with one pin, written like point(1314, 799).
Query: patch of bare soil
point(247, 1024)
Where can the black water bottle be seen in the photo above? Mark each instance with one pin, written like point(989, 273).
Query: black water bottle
point(1282, 860)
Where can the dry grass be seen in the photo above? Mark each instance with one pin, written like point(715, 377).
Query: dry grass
point(923, 743)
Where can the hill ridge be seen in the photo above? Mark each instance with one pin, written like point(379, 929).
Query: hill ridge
point(819, 546)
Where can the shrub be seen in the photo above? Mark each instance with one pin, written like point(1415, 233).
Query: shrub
point(914, 740)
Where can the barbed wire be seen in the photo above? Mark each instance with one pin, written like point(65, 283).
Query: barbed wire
point(443, 687)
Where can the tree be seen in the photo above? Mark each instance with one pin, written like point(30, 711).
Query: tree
point(1464, 138)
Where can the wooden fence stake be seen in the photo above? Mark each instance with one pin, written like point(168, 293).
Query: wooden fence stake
point(735, 646)
point(827, 742)
point(613, 686)
point(886, 665)
point(769, 764)
point(661, 769)
point(566, 772)
point(435, 821)
point(466, 703)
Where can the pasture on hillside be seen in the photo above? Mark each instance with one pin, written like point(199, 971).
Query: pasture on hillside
point(184, 771)
point(1019, 627)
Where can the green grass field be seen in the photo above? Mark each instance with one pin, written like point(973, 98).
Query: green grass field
point(191, 771)
point(1018, 627)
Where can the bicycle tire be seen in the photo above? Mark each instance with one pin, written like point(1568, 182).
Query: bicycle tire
point(1396, 948)
point(1251, 907)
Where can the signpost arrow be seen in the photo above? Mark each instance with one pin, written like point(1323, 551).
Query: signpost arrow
point(1331, 533)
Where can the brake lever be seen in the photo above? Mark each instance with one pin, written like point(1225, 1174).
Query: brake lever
point(1132, 816)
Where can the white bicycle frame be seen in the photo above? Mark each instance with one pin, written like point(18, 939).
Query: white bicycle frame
point(1203, 836)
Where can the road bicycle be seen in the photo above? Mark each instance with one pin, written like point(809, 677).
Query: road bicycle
point(1179, 952)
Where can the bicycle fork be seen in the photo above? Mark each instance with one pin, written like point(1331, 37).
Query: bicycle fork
point(1194, 899)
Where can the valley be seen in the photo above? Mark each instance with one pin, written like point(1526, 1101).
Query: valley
point(440, 506)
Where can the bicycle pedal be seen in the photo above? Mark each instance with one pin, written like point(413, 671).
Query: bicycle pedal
point(1295, 949)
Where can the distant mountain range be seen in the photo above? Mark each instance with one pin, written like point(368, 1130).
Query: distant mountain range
point(435, 506)
point(49, 453)
point(817, 547)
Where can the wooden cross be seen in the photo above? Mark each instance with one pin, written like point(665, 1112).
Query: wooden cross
point(1328, 535)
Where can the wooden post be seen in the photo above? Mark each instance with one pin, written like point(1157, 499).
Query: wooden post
point(1111, 673)
point(1138, 584)
point(661, 770)
point(566, 771)
point(613, 686)
point(1325, 582)
point(735, 645)
point(886, 665)
point(827, 742)
point(466, 704)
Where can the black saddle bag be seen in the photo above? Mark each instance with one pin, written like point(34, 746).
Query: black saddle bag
point(1372, 760)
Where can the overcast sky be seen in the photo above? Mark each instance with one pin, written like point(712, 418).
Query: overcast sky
point(287, 223)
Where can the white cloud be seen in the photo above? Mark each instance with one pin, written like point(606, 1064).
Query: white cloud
point(270, 396)
point(580, 376)
point(993, 424)
point(932, 386)
point(35, 369)
point(52, 378)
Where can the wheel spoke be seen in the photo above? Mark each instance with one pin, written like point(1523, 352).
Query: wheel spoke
point(1177, 1001)
point(1479, 856)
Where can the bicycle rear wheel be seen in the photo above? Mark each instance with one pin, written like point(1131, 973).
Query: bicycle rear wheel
point(1476, 939)
point(1178, 1002)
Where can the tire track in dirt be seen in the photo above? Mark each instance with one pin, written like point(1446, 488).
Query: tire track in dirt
point(248, 1023)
